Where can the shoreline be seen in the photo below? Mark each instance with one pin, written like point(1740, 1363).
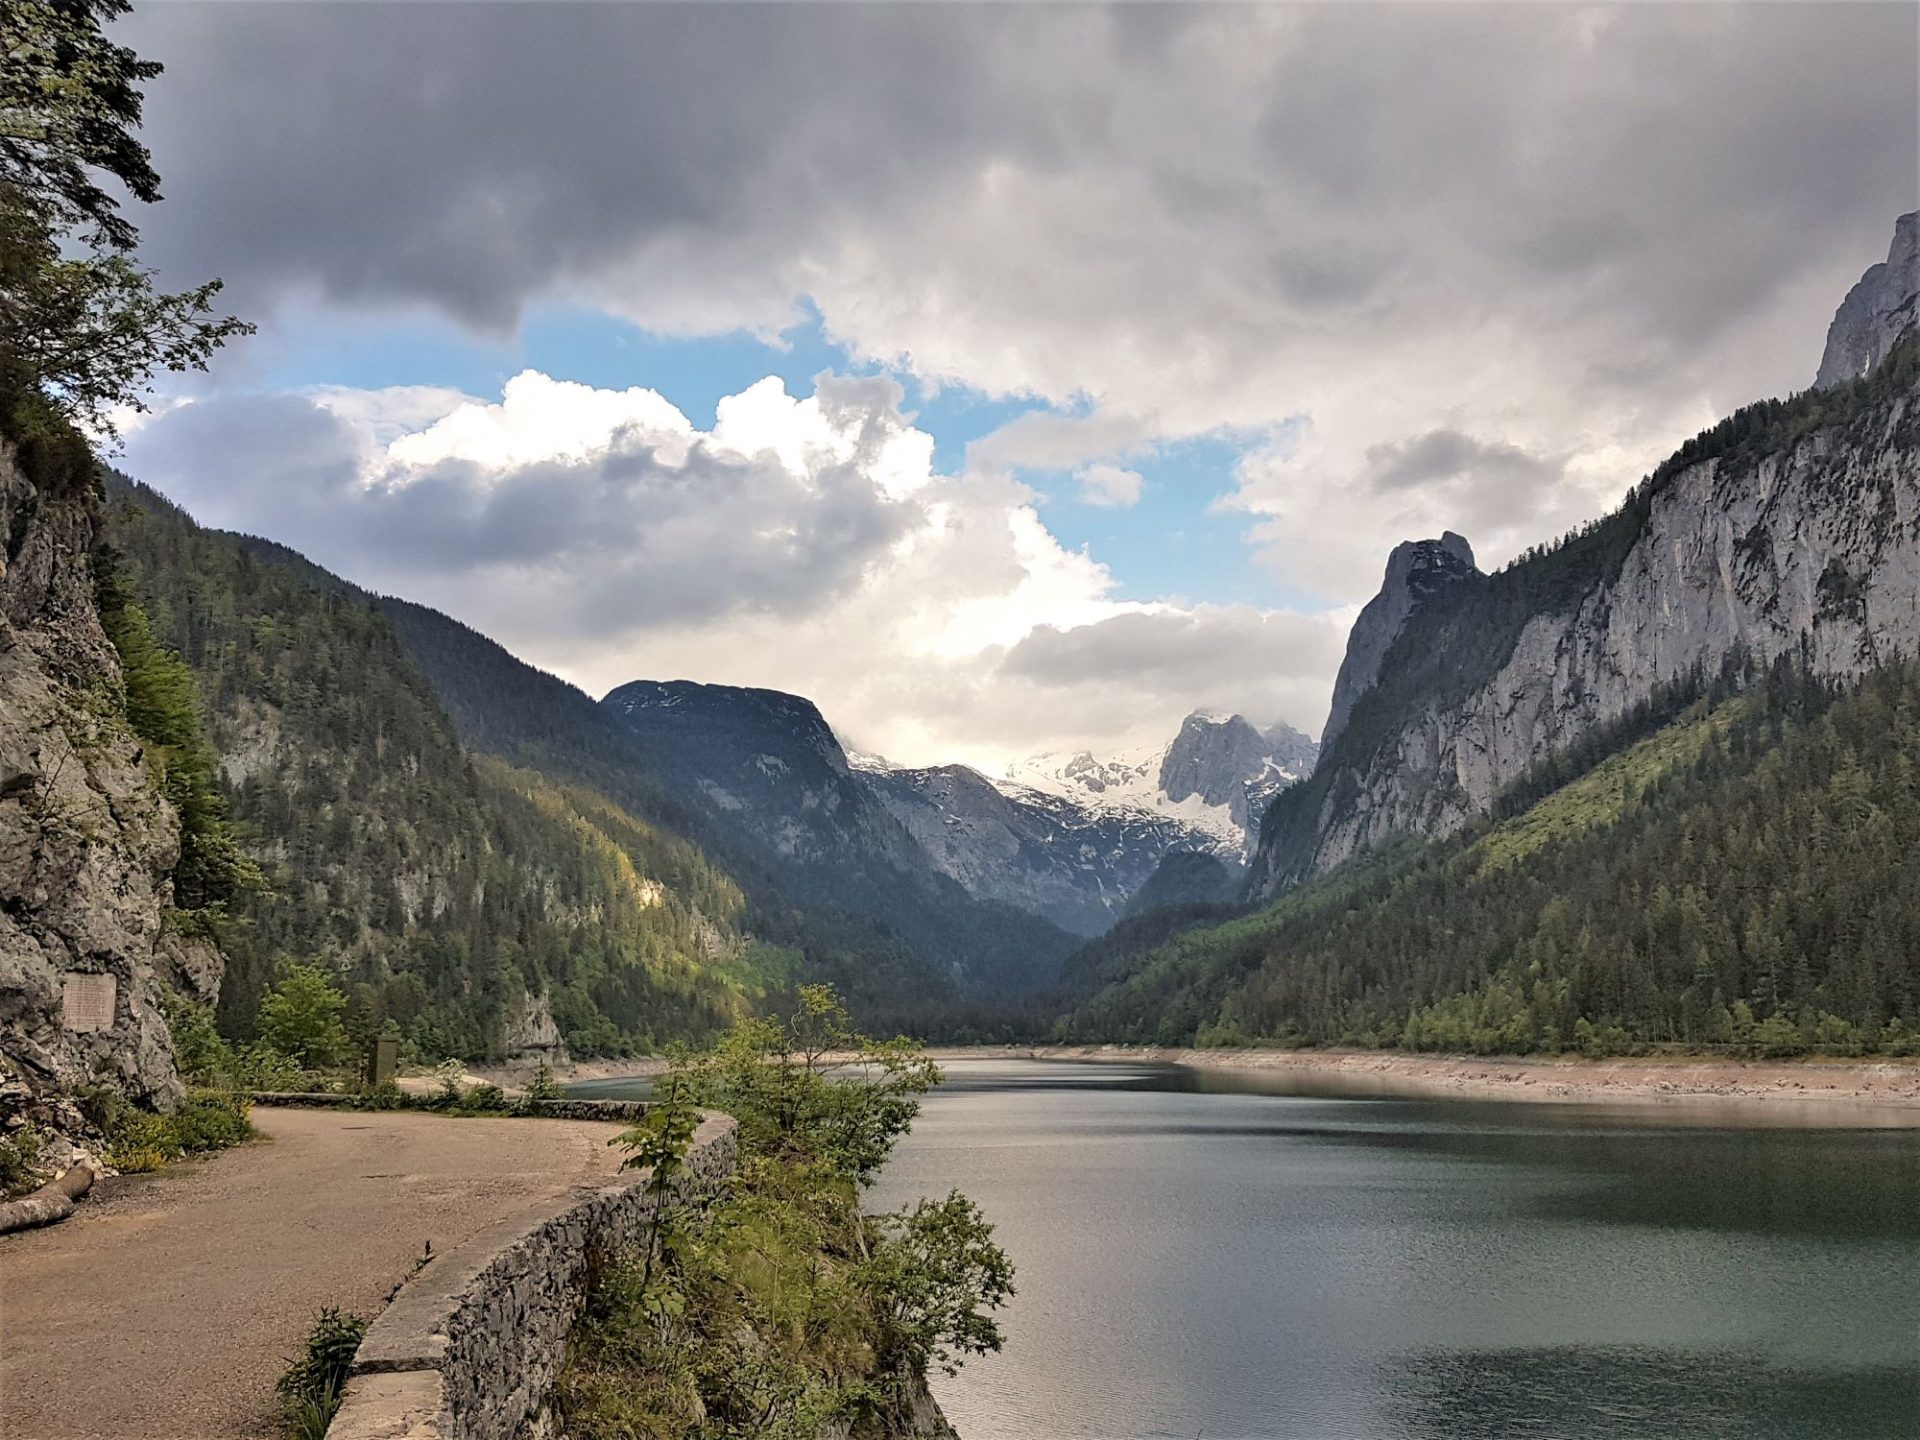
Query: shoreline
point(1883, 1092)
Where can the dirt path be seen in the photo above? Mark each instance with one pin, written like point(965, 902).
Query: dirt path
point(167, 1307)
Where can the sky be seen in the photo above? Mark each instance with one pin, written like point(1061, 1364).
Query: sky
point(1005, 379)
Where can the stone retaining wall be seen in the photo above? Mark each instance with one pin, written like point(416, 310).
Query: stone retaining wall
point(470, 1346)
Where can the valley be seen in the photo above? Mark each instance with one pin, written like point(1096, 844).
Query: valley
point(881, 723)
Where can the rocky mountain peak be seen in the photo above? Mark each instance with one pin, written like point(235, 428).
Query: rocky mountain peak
point(1212, 757)
point(1882, 307)
point(1225, 761)
point(1417, 571)
point(742, 715)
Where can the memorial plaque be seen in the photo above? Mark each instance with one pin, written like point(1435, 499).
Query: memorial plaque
point(87, 1001)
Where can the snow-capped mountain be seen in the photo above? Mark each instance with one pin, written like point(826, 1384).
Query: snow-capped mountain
point(1075, 864)
point(1214, 780)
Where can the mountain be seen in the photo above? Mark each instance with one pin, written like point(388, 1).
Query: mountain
point(1738, 878)
point(769, 769)
point(1189, 877)
point(1790, 529)
point(502, 706)
point(1077, 865)
point(1418, 571)
point(1877, 311)
point(1213, 780)
point(478, 908)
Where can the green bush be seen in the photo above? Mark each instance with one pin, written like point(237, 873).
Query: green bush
point(20, 1163)
point(779, 1309)
point(301, 1016)
point(310, 1389)
point(208, 1120)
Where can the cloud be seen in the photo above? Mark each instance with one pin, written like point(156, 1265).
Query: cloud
point(603, 505)
point(804, 543)
point(1463, 266)
point(1579, 232)
point(1109, 486)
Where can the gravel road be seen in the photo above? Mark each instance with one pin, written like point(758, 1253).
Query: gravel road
point(169, 1304)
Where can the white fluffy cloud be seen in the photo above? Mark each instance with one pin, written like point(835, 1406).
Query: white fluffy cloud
point(1111, 486)
point(804, 543)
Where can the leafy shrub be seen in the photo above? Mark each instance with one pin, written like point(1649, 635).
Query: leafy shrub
point(20, 1163)
point(487, 1098)
point(300, 1016)
point(779, 1309)
point(208, 1120)
point(540, 1084)
point(311, 1388)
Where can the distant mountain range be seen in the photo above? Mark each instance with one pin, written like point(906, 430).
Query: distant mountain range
point(1070, 843)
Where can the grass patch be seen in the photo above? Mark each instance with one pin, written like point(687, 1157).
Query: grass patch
point(311, 1389)
point(1608, 791)
point(139, 1141)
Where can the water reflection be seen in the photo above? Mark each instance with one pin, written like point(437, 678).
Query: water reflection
point(1212, 1259)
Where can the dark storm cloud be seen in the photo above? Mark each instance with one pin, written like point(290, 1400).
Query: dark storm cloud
point(1669, 164)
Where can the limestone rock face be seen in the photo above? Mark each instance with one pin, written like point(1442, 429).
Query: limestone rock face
point(1804, 544)
point(1877, 311)
point(1417, 571)
point(87, 841)
point(1814, 550)
point(1075, 865)
point(529, 1031)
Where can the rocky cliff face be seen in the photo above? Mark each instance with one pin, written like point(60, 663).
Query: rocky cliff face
point(1214, 780)
point(1877, 311)
point(1075, 865)
point(1793, 529)
point(87, 842)
point(1417, 571)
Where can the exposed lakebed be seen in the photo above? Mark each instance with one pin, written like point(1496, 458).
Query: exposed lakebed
point(1199, 1256)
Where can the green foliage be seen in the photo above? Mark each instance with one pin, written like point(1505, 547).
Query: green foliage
point(810, 1088)
point(311, 1387)
point(779, 1310)
point(441, 889)
point(1739, 882)
point(301, 1017)
point(207, 1120)
point(162, 706)
point(21, 1169)
point(540, 1084)
point(83, 326)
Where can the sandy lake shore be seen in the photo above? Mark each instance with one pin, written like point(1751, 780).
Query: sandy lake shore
point(1883, 1092)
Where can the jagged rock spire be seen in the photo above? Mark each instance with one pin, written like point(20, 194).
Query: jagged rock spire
point(1877, 311)
point(1417, 570)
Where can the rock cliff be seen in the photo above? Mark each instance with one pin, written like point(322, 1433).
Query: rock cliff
point(87, 841)
point(1417, 571)
point(1792, 529)
point(1075, 865)
point(1877, 311)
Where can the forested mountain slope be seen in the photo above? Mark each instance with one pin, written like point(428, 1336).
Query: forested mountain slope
point(1741, 877)
point(896, 949)
point(458, 899)
point(1791, 528)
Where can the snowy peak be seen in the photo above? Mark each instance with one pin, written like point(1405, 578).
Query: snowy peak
point(1215, 779)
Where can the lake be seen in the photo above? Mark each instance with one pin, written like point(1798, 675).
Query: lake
point(1199, 1259)
point(1233, 1256)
